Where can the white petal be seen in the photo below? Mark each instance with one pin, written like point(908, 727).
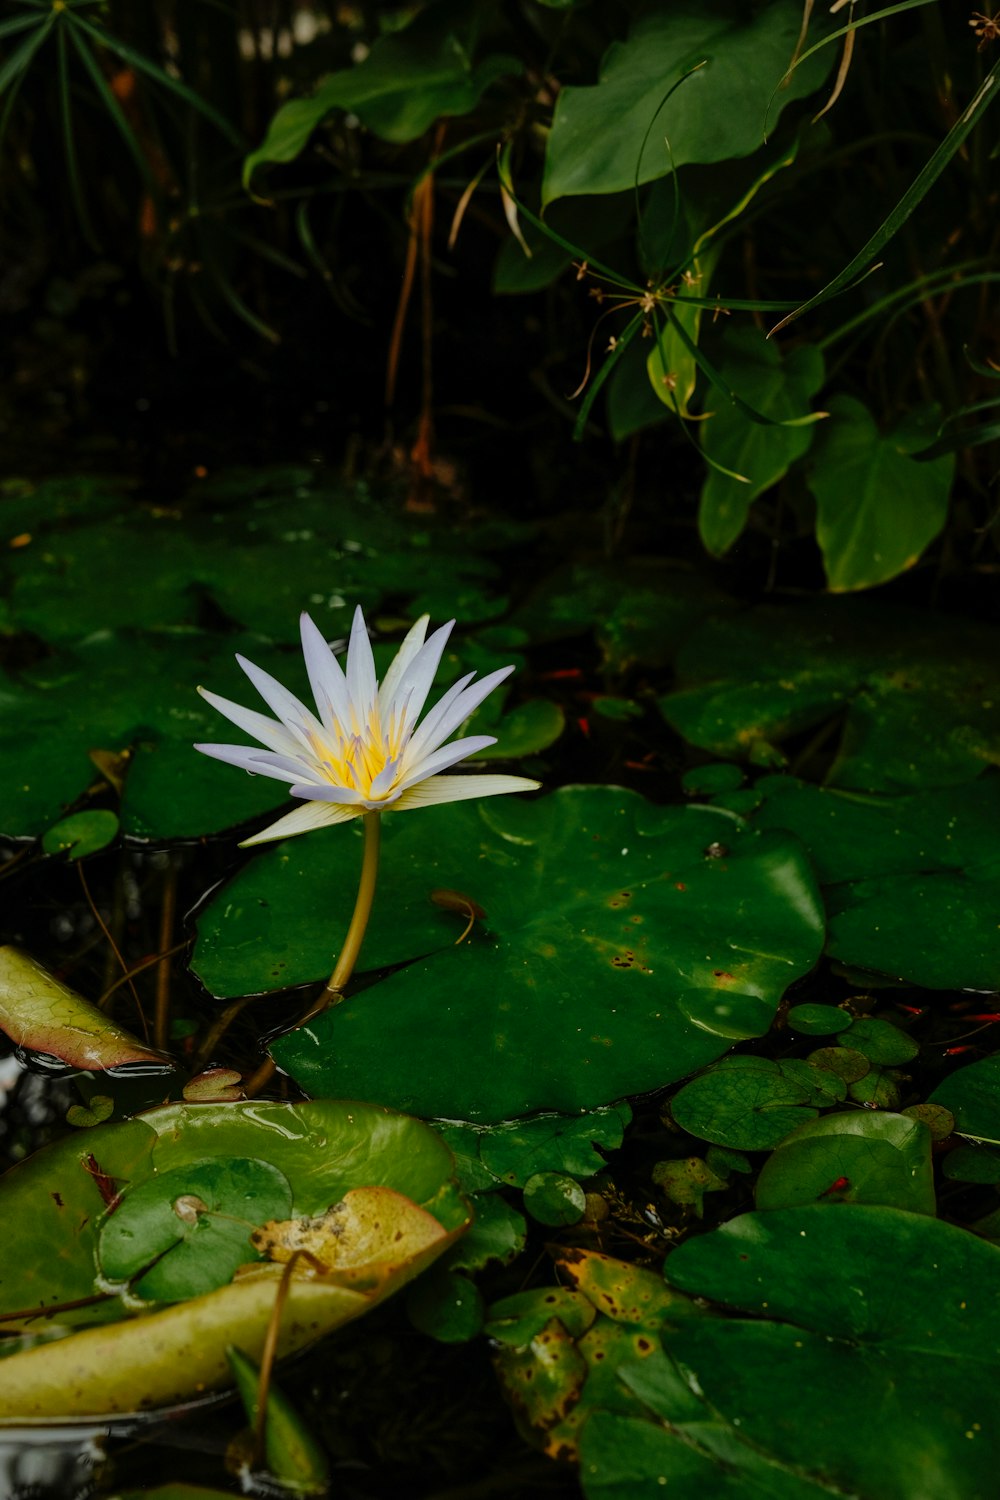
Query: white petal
point(303, 820)
point(418, 679)
point(361, 682)
point(327, 792)
point(444, 719)
point(248, 758)
point(412, 643)
point(326, 678)
point(460, 789)
point(440, 760)
point(274, 736)
point(290, 711)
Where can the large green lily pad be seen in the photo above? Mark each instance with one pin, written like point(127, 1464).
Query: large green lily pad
point(920, 697)
point(856, 1364)
point(117, 692)
point(620, 951)
point(193, 1179)
point(911, 884)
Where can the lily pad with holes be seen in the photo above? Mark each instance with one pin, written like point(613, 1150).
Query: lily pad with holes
point(906, 702)
point(191, 1184)
point(911, 885)
point(619, 952)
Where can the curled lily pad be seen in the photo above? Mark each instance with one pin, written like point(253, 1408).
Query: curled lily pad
point(618, 955)
point(121, 1362)
point(40, 1013)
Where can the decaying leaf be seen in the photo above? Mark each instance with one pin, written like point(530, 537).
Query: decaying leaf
point(39, 1012)
point(371, 1231)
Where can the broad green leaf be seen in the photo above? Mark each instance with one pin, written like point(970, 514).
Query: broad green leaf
point(609, 923)
point(911, 886)
point(877, 508)
point(921, 694)
point(409, 78)
point(780, 388)
point(852, 1158)
point(854, 1310)
point(41, 1014)
point(608, 136)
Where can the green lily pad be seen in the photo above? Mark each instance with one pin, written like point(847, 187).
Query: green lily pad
point(852, 1158)
point(920, 696)
point(855, 1311)
point(327, 1151)
point(559, 1351)
point(752, 1103)
point(517, 1149)
point(554, 1199)
point(972, 1094)
point(185, 1232)
point(639, 612)
point(911, 884)
point(81, 833)
point(818, 1020)
point(617, 954)
point(116, 692)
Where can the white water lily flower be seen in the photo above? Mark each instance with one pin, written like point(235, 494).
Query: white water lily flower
point(363, 750)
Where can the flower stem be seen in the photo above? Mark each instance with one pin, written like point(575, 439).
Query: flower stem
point(362, 911)
point(334, 989)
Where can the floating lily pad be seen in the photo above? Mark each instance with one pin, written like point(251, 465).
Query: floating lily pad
point(852, 1158)
point(752, 1103)
point(559, 1350)
point(911, 884)
point(854, 1311)
point(329, 1152)
point(920, 697)
point(618, 955)
point(185, 1232)
point(639, 612)
point(972, 1095)
point(553, 1198)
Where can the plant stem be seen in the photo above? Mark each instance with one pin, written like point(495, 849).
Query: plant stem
point(362, 911)
point(334, 988)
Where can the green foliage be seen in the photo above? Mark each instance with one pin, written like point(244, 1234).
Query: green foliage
point(657, 955)
point(906, 702)
point(838, 1329)
point(626, 130)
